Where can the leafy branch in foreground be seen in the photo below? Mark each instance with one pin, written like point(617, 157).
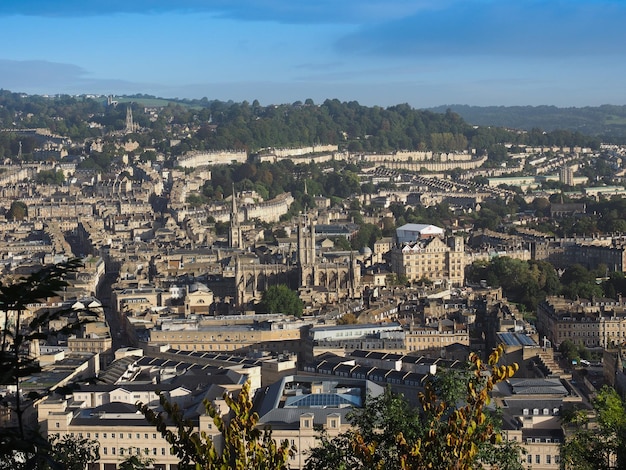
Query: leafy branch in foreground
point(454, 437)
point(438, 434)
point(19, 330)
point(243, 445)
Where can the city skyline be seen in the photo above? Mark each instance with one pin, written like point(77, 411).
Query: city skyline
point(424, 53)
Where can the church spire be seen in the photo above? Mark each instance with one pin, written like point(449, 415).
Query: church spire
point(234, 239)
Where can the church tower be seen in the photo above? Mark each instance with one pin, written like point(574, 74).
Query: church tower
point(306, 250)
point(234, 235)
point(130, 125)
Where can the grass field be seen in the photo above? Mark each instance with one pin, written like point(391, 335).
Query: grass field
point(149, 102)
point(615, 120)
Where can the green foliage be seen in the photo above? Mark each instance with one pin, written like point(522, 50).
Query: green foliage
point(136, 462)
point(597, 444)
point(591, 121)
point(195, 200)
point(244, 446)
point(18, 331)
point(435, 214)
point(281, 299)
point(17, 211)
point(366, 236)
point(524, 282)
point(397, 279)
point(347, 319)
point(65, 453)
point(342, 243)
point(579, 282)
point(50, 177)
point(73, 452)
point(439, 434)
point(569, 349)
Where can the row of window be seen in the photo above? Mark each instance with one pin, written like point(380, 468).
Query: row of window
point(548, 459)
point(131, 451)
point(546, 411)
point(113, 435)
point(438, 339)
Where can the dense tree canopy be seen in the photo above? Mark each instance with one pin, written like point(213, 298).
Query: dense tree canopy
point(524, 282)
point(281, 299)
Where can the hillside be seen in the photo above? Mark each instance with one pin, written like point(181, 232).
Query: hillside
point(606, 121)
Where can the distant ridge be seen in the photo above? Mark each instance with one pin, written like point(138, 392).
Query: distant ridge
point(606, 120)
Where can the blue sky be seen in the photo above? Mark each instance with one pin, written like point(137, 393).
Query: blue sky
point(377, 52)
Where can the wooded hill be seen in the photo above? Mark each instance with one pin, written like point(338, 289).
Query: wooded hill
point(227, 125)
point(606, 121)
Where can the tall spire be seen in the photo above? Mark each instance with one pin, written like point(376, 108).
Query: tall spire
point(235, 238)
point(130, 125)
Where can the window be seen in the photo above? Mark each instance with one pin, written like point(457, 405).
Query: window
point(154, 436)
point(112, 450)
point(154, 451)
point(529, 458)
point(145, 436)
point(113, 435)
point(105, 451)
point(162, 450)
point(537, 458)
point(57, 424)
point(548, 459)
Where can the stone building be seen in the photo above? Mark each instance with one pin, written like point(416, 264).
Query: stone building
point(438, 260)
point(585, 322)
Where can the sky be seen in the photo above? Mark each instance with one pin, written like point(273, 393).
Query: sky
point(378, 52)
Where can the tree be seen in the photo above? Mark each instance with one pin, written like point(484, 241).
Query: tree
point(74, 452)
point(244, 446)
point(388, 433)
point(569, 350)
point(579, 282)
point(136, 462)
point(50, 177)
point(342, 243)
point(281, 299)
point(17, 211)
point(347, 319)
point(600, 445)
point(22, 443)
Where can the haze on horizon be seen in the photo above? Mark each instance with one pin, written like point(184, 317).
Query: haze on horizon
point(377, 52)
